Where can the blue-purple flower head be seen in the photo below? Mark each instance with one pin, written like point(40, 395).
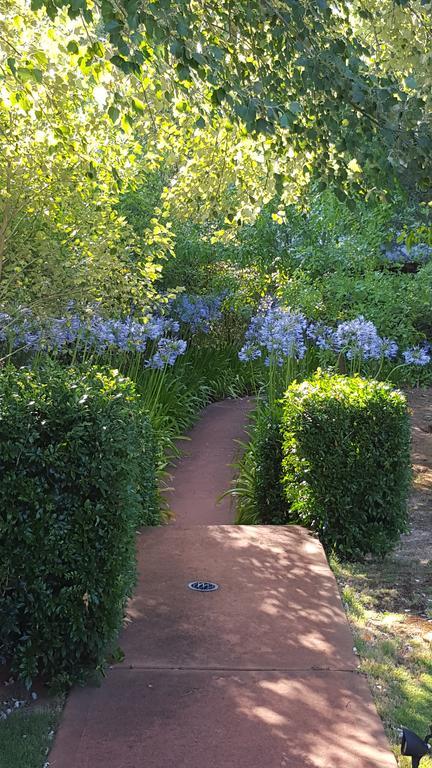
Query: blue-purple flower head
point(416, 356)
point(167, 352)
point(199, 312)
point(249, 352)
point(400, 253)
point(358, 338)
point(158, 326)
point(58, 333)
point(321, 335)
point(95, 332)
point(24, 331)
point(389, 348)
point(5, 322)
point(129, 335)
point(278, 334)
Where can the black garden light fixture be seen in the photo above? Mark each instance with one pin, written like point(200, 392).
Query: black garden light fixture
point(414, 747)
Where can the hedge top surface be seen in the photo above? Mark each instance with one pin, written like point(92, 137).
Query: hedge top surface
point(353, 390)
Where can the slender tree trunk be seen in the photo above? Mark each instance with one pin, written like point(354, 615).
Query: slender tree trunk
point(5, 221)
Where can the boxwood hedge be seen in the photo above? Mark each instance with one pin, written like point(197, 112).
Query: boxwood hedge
point(77, 479)
point(346, 465)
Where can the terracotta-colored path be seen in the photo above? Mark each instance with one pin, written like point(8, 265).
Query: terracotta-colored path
point(205, 470)
point(259, 674)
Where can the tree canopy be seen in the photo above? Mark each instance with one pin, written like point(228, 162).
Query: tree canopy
point(329, 83)
point(231, 104)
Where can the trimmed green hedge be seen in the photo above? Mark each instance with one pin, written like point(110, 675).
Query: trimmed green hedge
point(77, 479)
point(346, 465)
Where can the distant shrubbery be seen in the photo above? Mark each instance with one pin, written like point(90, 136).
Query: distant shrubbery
point(77, 480)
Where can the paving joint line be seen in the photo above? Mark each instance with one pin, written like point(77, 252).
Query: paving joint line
point(141, 668)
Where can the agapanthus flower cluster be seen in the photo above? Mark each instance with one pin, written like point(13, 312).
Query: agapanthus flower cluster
point(321, 335)
point(167, 352)
point(275, 334)
point(199, 312)
point(94, 333)
point(416, 356)
point(5, 322)
point(21, 334)
point(359, 338)
point(399, 253)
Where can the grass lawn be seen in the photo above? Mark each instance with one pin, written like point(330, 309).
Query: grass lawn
point(387, 605)
point(26, 735)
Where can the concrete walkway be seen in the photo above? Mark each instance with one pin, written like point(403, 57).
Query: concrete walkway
point(258, 674)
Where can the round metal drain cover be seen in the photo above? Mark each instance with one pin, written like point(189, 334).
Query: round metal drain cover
point(203, 586)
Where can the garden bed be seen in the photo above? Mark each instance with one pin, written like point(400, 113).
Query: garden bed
point(389, 603)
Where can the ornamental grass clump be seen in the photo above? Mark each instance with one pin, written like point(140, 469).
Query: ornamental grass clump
point(346, 462)
point(77, 467)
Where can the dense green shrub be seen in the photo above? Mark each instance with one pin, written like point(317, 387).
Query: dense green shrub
point(77, 479)
point(346, 465)
point(258, 489)
point(269, 493)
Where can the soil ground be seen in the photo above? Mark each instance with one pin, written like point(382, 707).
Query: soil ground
point(417, 544)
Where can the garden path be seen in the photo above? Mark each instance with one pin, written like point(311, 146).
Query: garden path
point(258, 674)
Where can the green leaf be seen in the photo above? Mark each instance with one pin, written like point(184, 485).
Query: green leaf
point(121, 63)
point(199, 58)
point(357, 94)
point(72, 47)
point(113, 113)
point(29, 74)
point(183, 28)
point(112, 26)
point(279, 180)
point(41, 58)
point(217, 53)
point(183, 72)
point(263, 126)
point(138, 105)
point(295, 107)
point(411, 82)
point(177, 49)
